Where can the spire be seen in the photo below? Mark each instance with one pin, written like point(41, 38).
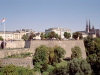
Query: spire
point(92, 27)
point(86, 23)
point(89, 26)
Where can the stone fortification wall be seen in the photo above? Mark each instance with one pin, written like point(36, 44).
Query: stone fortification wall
point(14, 44)
point(67, 45)
point(5, 53)
point(25, 62)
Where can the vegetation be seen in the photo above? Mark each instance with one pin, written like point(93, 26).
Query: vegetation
point(13, 70)
point(50, 61)
point(50, 36)
point(79, 67)
point(22, 55)
point(29, 37)
point(77, 35)
point(25, 37)
point(42, 36)
point(76, 52)
point(45, 57)
point(1, 39)
point(93, 53)
point(67, 35)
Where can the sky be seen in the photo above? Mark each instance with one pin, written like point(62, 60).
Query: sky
point(43, 14)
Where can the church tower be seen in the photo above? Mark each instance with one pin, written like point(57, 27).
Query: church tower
point(87, 27)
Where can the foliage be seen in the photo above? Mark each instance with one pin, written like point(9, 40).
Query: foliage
point(93, 53)
point(58, 54)
point(67, 35)
point(51, 35)
point(77, 35)
point(79, 67)
point(25, 37)
point(40, 58)
point(22, 55)
point(42, 36)
point(60, 69)
point(29, 37)
point(13, 70)
point(1, 39)
point(76, 52)
point(46, 56)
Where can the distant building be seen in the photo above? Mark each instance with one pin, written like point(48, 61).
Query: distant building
point(59, 31)
point(37, 36)
point(90, 31)
point(15, 35)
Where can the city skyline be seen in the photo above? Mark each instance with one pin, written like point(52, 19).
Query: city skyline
point(43, 14)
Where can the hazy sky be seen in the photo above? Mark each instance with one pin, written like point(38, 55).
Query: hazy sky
point(42, 14)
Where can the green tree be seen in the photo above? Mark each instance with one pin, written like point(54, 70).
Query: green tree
point(76, 52)
point(1, 39)
point(77, 35)
point(30, 37)
point(79, 67)
point(58, 54)
point(40, 59)
point(25, 37)
point(42, 36)
point(51, 35)
point(60, 69)
point(93, 53)
point(67, 35)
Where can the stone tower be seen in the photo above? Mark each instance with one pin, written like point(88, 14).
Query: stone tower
point(87, 27)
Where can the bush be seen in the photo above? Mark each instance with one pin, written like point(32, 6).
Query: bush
point(76, 52)
point(79, 67)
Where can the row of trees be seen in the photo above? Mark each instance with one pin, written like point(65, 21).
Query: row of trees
point(50, 35)
point(53, 35)
point(50, 61)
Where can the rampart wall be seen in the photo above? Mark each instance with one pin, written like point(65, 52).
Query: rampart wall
point(67, 45)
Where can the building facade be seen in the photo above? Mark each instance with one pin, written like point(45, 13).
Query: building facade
point(59, 31)
point(15, 35)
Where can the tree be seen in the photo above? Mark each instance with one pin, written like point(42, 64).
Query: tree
point(42, 36)
point(67, 35)
point(60, 69)
point(51, 35)
point(25, 37)
point(28, 37)
point(93, 53)
point(76, 52)
point(77, 35)
point(58, 54)
point(1, 39)
point(79, 67)
point(40, 58)
point(31, 36)
point(46, 56)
